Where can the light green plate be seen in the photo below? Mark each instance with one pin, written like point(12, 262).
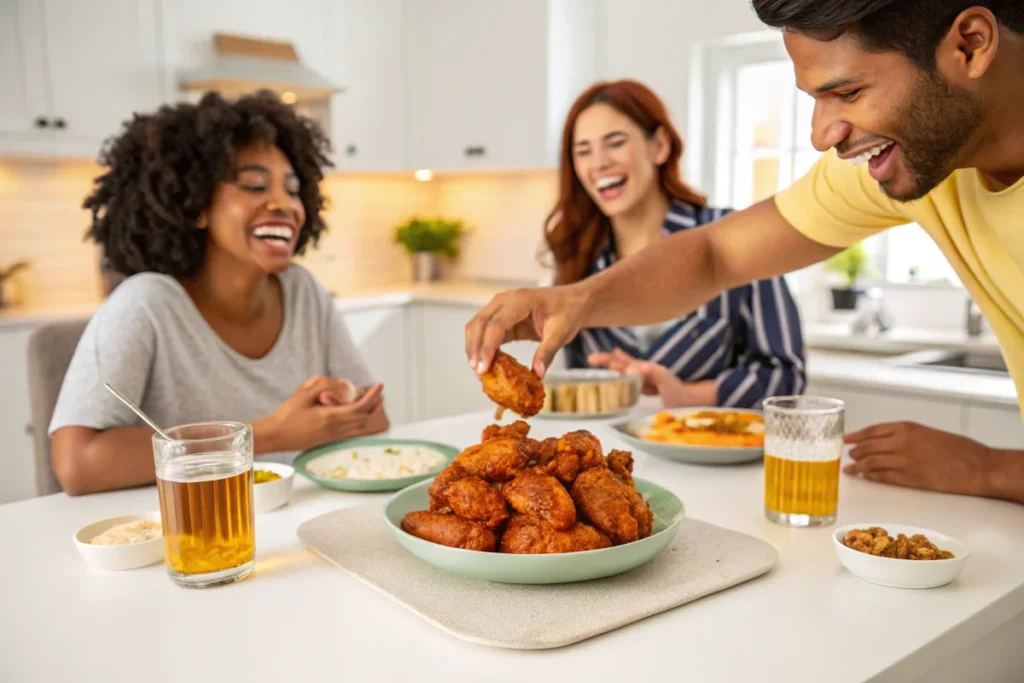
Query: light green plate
point(631, 431)
point(363, 485)
point(555, 568)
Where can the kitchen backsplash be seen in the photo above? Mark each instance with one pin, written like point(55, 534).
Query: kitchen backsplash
point(41, 219)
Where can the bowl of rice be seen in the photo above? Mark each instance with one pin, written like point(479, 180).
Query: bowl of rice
point(120, 543)
point(374, 464)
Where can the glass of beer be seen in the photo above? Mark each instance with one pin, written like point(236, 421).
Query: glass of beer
point(204, 476)
point(803, 442)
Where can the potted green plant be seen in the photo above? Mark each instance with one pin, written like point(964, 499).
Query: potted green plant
point(428, 240)
point(852, 264)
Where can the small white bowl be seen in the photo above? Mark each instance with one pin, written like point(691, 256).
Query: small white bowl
point(271, 495)
point(894, 573)
point(119, 557)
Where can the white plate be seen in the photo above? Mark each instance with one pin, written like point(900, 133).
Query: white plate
point(119, 557)
point(271, 495)
point(887, 571)
point(632, 432)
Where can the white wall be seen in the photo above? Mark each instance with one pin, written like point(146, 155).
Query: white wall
point(652, 41)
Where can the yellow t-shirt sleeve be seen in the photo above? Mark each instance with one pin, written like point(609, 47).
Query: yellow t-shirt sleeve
point(838, 204)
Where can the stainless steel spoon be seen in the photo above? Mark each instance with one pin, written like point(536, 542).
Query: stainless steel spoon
point(138, 411)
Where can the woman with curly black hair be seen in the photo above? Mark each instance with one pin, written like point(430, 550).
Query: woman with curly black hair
point(203, 207)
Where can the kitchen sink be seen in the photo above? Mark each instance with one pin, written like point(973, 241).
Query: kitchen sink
point(983, 362)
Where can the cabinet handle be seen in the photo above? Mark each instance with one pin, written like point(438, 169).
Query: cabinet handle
point(475, 151)
point(28, 429)
point(60, 123)
point(41, 122)
point(351, 150)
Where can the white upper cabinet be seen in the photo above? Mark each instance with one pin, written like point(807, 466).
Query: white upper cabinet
point(441, 84)
point(365, 58)
point(24, 107)
point(71, 72)
point(102, 75)
point(485, 81)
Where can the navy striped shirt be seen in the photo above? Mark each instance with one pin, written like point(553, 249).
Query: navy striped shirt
point(748, 339)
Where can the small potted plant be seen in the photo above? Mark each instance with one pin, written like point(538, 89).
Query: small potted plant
point(852, 264)
point(428, 240)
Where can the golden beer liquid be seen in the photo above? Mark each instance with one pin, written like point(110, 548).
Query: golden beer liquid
point(208, 525)
point(800, 487)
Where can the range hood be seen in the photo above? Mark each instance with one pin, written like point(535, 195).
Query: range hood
point(244, 65)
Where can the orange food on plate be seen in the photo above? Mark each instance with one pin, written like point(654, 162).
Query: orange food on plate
point(727, 429)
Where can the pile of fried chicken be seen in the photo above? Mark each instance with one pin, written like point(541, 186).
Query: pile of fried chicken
point(513, 494)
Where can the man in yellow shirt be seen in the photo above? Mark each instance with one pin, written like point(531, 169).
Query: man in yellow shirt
point(920, 108)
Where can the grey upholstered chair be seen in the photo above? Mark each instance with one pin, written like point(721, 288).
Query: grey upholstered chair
point(50, 348)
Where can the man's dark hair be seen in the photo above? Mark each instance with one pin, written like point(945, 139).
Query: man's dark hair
point(913, 27)
point(163, 168)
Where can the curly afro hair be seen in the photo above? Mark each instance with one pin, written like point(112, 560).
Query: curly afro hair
point(163, 169)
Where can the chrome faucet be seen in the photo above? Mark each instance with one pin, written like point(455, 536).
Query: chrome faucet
point(974, 319)
point(872, 316)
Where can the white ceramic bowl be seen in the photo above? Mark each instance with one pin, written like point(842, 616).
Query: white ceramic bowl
point(271, 495)
point(119, 557)
point(887, 571)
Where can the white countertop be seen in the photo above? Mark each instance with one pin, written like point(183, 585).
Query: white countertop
point(870, 372)
point(349, 298)
point(838, 337)
point(298, 618)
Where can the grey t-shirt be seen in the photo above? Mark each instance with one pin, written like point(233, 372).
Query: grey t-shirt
point(150, 342)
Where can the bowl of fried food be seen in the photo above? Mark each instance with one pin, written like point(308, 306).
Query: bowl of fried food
point(515, 510)
point(704, 436)
point(899, 556)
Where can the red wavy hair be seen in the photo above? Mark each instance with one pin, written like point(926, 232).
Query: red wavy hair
point(576, 229)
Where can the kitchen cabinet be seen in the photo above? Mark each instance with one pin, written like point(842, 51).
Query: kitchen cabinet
point(24, 104)
point(995, 426)
point(368, 118)
point(444, 383)
point(18, 480)
point(477, 79)
point(69, 88)
point(865, 407)
point(381, 335)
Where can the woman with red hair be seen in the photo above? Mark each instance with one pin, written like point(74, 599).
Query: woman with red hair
point(621, 191)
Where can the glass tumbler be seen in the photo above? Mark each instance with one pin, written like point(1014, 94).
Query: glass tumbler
point(204, 475)
point(803, 443)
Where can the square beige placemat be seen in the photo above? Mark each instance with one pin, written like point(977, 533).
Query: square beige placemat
point(702, 559)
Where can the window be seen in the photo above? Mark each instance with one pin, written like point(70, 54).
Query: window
point(753, 131)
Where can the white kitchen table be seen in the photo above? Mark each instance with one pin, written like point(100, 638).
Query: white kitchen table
point(297, 618)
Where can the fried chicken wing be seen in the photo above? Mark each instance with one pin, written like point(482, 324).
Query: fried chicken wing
point(575, 452)
point(495, 460)
point(512, 385)
point(541, 497)
point(620, 463)
point(474, 499)
point(641, 511)
point(526, 536)
point(606, 503)
point(517, 430)
point(449, 530)
point(439, 487)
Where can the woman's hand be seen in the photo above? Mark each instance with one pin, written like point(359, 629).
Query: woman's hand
point(304, 420)
point(658, 380)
